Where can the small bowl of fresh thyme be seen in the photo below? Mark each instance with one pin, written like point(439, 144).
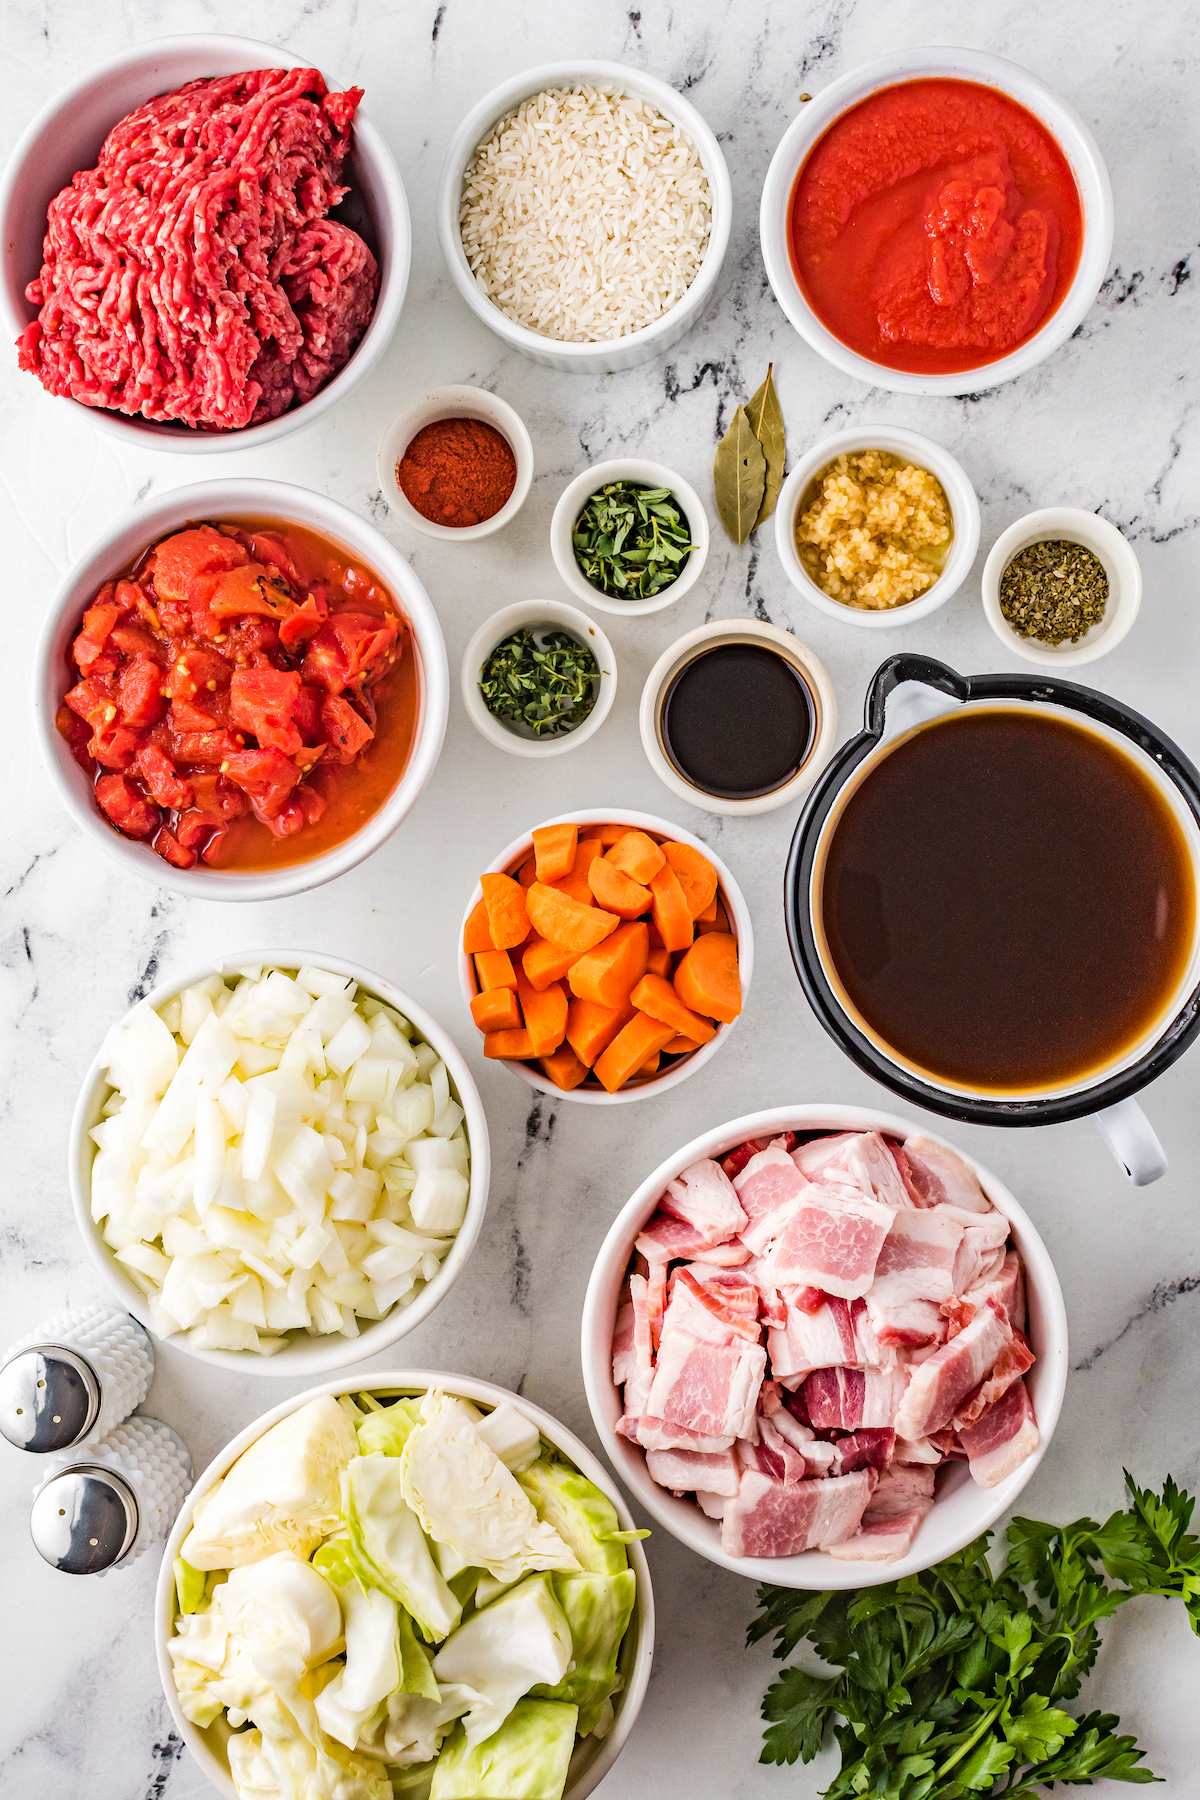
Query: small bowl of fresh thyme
point(629, 536)
point(538, 678)
point(1062, 586)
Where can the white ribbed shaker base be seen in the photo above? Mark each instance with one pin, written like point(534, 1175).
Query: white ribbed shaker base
point(154, 1461)
point(118, 1349)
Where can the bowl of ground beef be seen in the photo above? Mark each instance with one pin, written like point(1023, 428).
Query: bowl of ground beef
point(204, 242)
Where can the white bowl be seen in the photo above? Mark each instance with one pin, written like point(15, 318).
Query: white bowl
point(593, 1756)
point(962, 1509)
point(575, 497)
point(1060, 119)
point(739, 631)
point(1105, 541)
point(913, 448)
point(536, 614)
point(728, 892)
point(66, 136)
point(612, 354)
point(456, 402)
point(233, 498)
point(304, 1355)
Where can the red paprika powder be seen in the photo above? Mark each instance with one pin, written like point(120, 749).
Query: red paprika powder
point(457, 472)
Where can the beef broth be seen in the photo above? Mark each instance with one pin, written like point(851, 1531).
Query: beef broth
point(1008, 900)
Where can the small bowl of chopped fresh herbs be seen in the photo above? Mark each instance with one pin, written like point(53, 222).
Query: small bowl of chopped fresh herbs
point(1061, 586)
point(538, 678)
point(629, 536)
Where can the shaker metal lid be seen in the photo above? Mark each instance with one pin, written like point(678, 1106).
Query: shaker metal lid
point(49, 1398)
point(85, 1519)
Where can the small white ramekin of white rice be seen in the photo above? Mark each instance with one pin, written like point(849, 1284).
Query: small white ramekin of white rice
point(616, 257)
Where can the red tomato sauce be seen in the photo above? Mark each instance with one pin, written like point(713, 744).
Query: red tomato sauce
point(244, 695)
point(936, 226)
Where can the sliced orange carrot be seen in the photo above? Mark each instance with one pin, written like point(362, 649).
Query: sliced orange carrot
point(695, 875)
point(656, 942)
point(680, 1046)
point(495, 970)
point(707, 979)
point(650, 1066)
point(709, 915)
point(659, 961)
point(576, 883)
point(564, 921)
point(508, 919)
point(718, 922)
point(630, 1048)
point(671, 912)
point(612, 888)
point(554, 847)
point(544, 962)
point(608, 834)
point(496, 1009)
point(477, 933)
point(512, 1046)
point(638, 855)
point(545, 1014)
point(527, 873)
point(657, 997)
point(564, 1068)
point(592, 1028)
point(606, 974)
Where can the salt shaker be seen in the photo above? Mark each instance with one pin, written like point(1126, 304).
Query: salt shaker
point(73, 1379)
point(101, 1512)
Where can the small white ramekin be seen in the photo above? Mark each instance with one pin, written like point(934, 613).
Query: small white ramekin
point(594, 1756)
point(962, 1510)
point(455, 402)
point(738, 631)
point(536, 614)
point(237, 497)
point(613, 354)
point(728, 892)
point(940, 62)
point(913, 448)
point(66, 136)
point(303, 1355)
point(574, 498)
point(1103, 540)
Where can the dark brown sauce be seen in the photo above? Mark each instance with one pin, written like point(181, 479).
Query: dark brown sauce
point(738, 721)
point(1008, 900)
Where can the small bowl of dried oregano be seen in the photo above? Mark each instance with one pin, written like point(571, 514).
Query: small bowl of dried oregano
point(1061, 586)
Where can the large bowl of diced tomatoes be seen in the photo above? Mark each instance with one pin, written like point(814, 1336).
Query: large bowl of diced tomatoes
point(605, 956)
point(241, 691)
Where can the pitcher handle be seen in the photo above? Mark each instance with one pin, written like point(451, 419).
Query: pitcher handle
point(1132, 1139)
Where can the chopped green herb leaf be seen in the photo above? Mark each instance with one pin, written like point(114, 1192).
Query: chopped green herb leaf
point(631, 540)
point(545, 680)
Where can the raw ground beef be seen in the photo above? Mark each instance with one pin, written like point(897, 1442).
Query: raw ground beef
point(192, 275)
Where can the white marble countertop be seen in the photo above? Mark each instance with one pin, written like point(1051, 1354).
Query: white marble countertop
point(1110, 422)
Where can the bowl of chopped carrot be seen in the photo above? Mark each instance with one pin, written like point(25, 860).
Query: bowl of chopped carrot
point(605, 956)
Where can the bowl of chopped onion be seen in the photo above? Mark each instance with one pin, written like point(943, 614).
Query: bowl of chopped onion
point(279, 1160)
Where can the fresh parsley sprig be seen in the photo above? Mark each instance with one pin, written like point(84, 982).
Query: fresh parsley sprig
point(948, 1682)
point(631, 540)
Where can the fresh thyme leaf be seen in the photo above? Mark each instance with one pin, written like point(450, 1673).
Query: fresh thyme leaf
point(545, 680)
point(631, 540)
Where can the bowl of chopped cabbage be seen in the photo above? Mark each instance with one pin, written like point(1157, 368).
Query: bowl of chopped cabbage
point(279, 1161)
point(429, 1587)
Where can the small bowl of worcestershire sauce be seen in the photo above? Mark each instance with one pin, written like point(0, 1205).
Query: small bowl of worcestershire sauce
point(455, 463)
point(936, 221)
point(241, 691)
point(738, 717)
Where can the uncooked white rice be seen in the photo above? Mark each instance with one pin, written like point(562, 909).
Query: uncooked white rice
point(585, 215)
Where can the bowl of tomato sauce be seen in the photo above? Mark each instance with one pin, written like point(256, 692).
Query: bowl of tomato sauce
point(241, 691)
point(937, 221)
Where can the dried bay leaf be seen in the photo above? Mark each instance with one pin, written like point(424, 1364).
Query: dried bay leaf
point(766, 421)
point(739, 477)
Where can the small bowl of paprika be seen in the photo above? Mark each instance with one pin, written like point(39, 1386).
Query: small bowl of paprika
point(456, 462)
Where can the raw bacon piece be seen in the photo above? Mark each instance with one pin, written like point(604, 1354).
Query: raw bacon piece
point(812, 1340)
point(672, 1240)
point(711, 1389)
point(683, 1471)
point(938, 1177)
point(772, 1454)
point(1012, 1362)
point(704, 1198)
point(1008, 1287)
point(659, 1434)
point(905, 1324)
point(916, 1451)
point(766, 1187)
point(768, 1517)
point(864, 1162)
point(642, 1342)
point(711, 1505)
point(847, 1399)
point(899, 1489)
point(882, 1540)
point(832, 1241)
point(916, 1259)
point(870, 1449)
point(940, 1385)
point(811, 1158)
point(981, 1253)
point(1002, 1439)
point(623, 1353)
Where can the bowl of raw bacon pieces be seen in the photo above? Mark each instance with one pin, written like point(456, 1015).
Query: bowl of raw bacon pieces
point(822, 1348)
point(177, 339)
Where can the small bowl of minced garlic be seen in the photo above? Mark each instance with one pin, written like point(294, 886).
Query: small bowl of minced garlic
point(1061, 586)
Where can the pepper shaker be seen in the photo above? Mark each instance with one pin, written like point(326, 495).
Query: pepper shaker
point(102, 1512)
point(74, 1379)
